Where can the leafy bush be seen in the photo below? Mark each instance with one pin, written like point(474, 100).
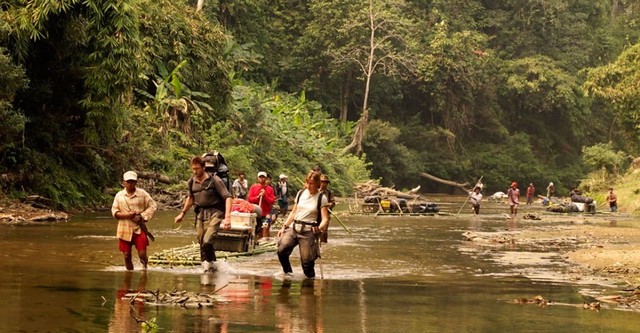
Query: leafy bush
point(602, 156)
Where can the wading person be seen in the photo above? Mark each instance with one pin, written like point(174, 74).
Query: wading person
point(531, 190)
point(475, 197)
point(133, 207)
point(262, 195)
point(309, 217)
point(213, 206)
point(612, 199)
point(324, 188)
point(513, 195)
point(282, 193)
point(551, 190)
point(240, 186)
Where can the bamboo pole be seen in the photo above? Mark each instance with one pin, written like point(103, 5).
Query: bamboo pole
point(468, 196)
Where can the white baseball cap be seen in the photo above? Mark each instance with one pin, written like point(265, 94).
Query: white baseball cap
point(283, 176)
point(262, 174)
point(130, 175)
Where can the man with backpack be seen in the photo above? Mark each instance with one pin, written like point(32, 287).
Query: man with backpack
point(324, 188)
point(213, 206)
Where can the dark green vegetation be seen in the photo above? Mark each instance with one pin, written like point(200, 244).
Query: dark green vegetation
point(511, 90)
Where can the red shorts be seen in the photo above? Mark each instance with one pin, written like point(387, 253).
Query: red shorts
point(139, 240)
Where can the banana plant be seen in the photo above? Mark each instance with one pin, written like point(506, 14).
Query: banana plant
point(174, 104)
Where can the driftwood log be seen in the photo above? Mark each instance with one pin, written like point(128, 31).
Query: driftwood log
point(463, 186)
point(155, 176)
point(372, 188)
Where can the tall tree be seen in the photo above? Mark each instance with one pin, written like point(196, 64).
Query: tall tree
point(618, 83)
point(361, 40)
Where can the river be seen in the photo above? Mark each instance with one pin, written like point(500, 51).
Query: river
point(392, 274)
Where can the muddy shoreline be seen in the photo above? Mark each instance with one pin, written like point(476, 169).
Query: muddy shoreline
point(582, 249)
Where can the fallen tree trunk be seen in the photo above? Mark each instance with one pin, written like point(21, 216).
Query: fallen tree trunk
point(155, 176)
point(463, 186)
point(388, 191)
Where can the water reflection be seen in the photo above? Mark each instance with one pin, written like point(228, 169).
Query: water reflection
point(405, 274)
point(300, 310)
point(125, 309)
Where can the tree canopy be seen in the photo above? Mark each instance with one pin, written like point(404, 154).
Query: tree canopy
point(512, 90)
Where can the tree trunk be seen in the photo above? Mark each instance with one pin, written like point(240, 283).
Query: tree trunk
point(364, 117)
point(346, 91)
point(155, 176)
point(462, 186)
point(387, 191)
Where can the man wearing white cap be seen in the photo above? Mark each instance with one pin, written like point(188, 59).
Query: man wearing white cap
point(262, 195)
point(133, 207)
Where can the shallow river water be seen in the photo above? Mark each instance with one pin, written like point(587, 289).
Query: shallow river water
point(393, 274)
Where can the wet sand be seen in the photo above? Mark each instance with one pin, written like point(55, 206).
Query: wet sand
point(580, 249)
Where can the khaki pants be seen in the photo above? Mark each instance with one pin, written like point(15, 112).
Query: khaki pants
point(207, 227)
point(308, 246)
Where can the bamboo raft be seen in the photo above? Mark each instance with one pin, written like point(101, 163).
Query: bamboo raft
point(189, 255)
point(375, 214)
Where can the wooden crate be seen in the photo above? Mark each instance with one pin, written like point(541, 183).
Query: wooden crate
point(241, 237)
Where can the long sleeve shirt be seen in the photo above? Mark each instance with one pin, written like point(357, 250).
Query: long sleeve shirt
point(268, 198)
point(140, 202)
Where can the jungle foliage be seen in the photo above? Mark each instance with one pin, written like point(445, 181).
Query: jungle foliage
point(508, 90)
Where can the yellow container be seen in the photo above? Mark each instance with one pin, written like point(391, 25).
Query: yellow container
point(385, 204)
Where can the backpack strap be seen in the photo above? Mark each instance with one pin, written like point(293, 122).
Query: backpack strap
point(319, 206)
point(190, 186)
point(298, 197)
point(319, 216)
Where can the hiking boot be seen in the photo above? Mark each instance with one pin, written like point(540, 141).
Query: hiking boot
point(206, 280)
point(208, 267)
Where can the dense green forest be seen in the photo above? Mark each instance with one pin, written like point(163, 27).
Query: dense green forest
point(525, 90)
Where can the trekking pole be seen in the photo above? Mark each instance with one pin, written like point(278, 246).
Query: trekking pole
point(468, 196)
point(317, 238)
point(332, 213)
point(339, 221)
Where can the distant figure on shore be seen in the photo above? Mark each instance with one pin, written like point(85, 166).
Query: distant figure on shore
point(612, 199)
point(551, 190)
point(513, 194)
point(531, 190)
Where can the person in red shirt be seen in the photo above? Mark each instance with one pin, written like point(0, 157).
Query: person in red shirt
point(531, 190)
point(262, 195)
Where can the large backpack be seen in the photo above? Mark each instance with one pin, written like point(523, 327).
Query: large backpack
point(215, 164)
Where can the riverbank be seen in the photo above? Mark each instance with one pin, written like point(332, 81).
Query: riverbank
point(581, 249)
point(14, 212)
